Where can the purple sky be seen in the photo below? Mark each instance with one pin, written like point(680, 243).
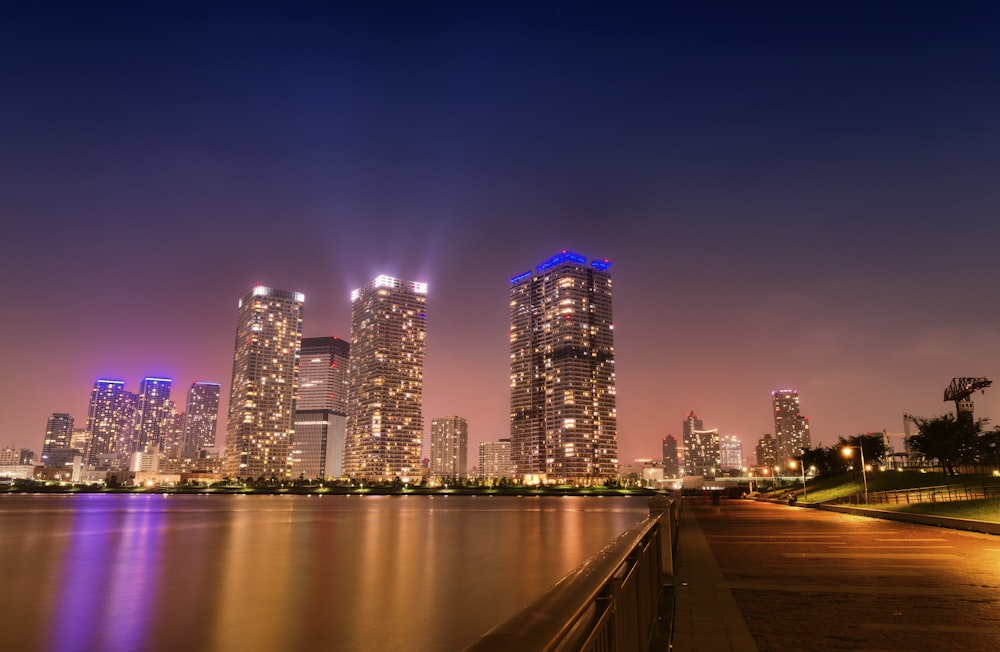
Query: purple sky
point(793, 195)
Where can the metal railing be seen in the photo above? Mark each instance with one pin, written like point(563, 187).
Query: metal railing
point(616, 601)
point(935, 494)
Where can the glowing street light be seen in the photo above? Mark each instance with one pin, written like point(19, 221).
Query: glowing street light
point(864, 474)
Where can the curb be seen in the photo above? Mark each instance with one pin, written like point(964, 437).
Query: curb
point(966, 524)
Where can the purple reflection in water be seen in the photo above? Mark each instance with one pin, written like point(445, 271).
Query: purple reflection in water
point(108, 593)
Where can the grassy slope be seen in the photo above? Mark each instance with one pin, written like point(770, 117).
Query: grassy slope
point(849, 484)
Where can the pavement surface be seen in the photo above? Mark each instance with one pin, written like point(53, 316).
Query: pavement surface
point(762, 576)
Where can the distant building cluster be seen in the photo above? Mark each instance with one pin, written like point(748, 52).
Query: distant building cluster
point(323, 408)
point(705, 453)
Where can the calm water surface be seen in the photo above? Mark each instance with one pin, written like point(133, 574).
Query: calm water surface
point(248, 573)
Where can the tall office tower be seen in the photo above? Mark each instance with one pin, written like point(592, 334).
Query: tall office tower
point(109, 424)
point(791, 429)
point(767, 452)
point(201, 418)
point(691, 423)
point(671, 469)
point(321, 412)
point(563, 423)
point(731, 452)
point(151, 414)
point(385, 400)
point(494, 460)
point(449, 447)
point(323, 374)
point(58, 435)
point(265, 380)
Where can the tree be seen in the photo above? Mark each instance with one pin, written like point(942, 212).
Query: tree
point(989, 446)
point(873, 446)
point(949, 440)
point(824, 460)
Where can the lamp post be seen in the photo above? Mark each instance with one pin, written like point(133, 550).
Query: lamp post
point(864, 473)
point(805, 495)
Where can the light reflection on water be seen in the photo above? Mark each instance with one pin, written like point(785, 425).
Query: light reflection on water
point(152, 572)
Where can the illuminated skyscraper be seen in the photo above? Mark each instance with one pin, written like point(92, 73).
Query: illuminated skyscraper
point(152, 413)
point(265, 379)
point(321, 412)
point(449, 447)
point(731, 452)
point(110, 418)
point(385, 401)
point(563, 424)
point(701, 455)
point(201, 417)
point(791, 429)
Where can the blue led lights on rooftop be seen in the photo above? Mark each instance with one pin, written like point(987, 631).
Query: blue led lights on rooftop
point(564, 257)
point(519, 277)
point(601, 265)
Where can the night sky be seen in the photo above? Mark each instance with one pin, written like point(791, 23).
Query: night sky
point(793, 195)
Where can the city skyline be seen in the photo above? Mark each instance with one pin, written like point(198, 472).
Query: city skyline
point(790, 196)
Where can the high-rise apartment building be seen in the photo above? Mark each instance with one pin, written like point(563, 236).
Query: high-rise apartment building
point(58, 435)
point(449, 448)
point(385, 400)
point(265, 379)
point(563, 423)
point(321, 412)
point(152, 414)
point(201, 417)
point(701, 453)
point(791, 429)
point(110, 420)
point(767, 452)
point(692, 423)
point(81, 439)
point(173, 431)
point(495, 463)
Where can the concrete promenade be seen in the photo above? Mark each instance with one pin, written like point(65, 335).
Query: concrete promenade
point(768, 577)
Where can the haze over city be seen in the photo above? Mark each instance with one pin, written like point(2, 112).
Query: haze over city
point(790, 196)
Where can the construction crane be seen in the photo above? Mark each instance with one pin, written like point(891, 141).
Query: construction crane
point(960, 390)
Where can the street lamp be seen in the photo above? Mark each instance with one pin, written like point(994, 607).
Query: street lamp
point(864, 474)
point(805, 495)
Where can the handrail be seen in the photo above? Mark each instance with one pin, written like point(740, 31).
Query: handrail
point(569, 615)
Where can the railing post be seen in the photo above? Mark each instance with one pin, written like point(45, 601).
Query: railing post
point(668, 509)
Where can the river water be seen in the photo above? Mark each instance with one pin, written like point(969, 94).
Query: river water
point(245, 573)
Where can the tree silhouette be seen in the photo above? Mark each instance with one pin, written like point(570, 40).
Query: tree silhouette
point(949, 440)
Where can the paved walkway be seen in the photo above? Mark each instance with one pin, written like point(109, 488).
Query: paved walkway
point(706, 617)
point(758, 576)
